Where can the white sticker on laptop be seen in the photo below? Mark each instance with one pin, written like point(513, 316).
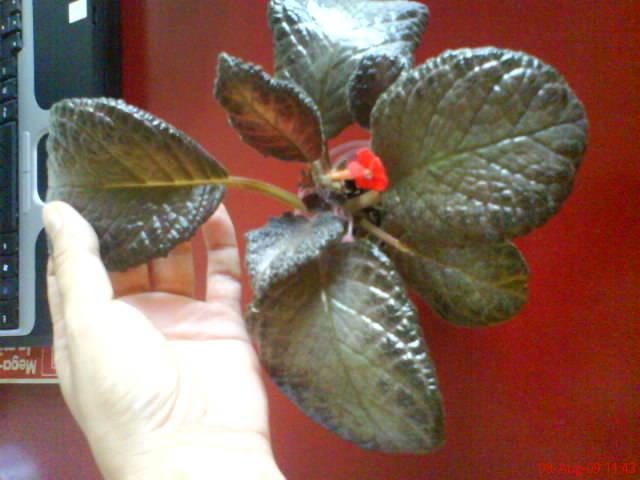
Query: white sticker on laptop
point(77, 11)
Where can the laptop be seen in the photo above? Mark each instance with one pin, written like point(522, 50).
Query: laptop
point(51, 49)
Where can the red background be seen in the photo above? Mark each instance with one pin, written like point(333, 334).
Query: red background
point(558, 384)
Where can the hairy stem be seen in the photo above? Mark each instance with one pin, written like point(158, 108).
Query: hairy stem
point(365, 200)
point(385, 237)
point(325, 159)
point(244, 183)
point(265, 188)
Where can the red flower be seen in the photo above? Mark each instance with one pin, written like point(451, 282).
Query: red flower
point(368, 171)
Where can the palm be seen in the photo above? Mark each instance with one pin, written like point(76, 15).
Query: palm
point(208, 353)
point(205, 355)
point(163, 363)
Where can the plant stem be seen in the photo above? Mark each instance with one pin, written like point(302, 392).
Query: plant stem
point(244, 183)
point(385, 237)
point(325, 159)
point(253, 185)
point(365, 200)
point(337, 175)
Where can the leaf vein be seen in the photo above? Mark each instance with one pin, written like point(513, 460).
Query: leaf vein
point(105, 146)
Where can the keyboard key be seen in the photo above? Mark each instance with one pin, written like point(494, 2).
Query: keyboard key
point(8, 89)
point(8, 266)
point(8, 243)
point(8, 315)
point(8, 211)
point(11, 44)
point(8, 288)
point(8, 162)
point(8, 174)
point(10, 6)
point(7, 171)
point(9, 190)
point(8, 155)
point(8, 68)
point(10, 24)
point(9, 111)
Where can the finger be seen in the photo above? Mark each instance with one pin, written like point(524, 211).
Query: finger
point(174, 274)
point(54, 297)
point(80, 282)
point(60, 348)
point(134, 280)
point(223, 261)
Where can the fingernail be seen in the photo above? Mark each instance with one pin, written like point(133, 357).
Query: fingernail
point(51, 219)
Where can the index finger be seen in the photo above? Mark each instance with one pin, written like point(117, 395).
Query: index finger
point(224, 273)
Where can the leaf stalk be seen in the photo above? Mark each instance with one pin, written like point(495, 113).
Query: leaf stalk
point(385, 237)
point(244, 183)
point(268, 189)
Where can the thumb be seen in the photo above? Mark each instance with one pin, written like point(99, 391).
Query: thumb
point(81, 281)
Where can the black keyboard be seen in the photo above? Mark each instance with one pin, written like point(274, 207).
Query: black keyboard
point(11, 32)
point(50, 49)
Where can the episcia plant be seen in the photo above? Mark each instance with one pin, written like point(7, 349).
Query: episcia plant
point(468, 150)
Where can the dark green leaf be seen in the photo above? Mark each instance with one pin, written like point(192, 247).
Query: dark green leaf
point(285, 244)
point(342, 340)
point(374, 75)
point(135, 178)
point(472, 286)
point(480, 146)
point(274, 117)
point(319, 45)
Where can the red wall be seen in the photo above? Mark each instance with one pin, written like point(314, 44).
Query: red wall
point(560, 383)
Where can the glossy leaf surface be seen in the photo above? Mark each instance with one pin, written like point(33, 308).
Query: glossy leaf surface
point(280, 249)
point(480, 146)
point(342, 340)
point(274, 117)
point(374, 74)
point(472, 286)
point(131, 175)
point(319, 45)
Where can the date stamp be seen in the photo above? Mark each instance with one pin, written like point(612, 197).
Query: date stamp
point(548, 469)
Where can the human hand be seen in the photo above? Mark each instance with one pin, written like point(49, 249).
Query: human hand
point(162, 385)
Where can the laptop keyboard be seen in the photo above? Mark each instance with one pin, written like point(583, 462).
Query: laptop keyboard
point(49, 50)
point(10, 31)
